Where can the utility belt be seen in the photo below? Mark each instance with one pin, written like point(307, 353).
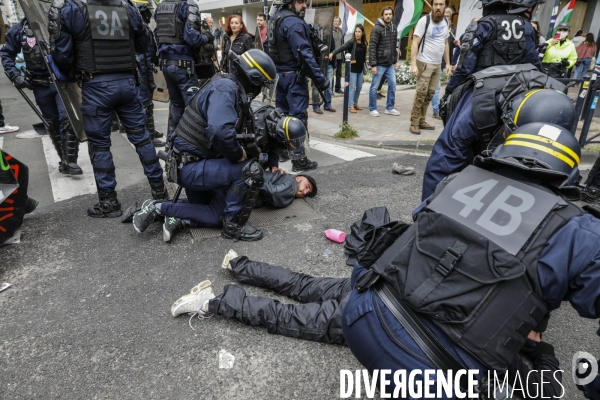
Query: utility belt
point(83, 76)
point(175, 161)
point(40, 81)
point(188, 65)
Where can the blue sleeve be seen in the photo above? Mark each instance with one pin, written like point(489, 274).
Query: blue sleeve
point(482, 35)
point(139, 29)
point(531, 55)
point(11, 49)
point(298, 37)
point(221, 113)
point(569, 266)
point(450, 151)
point(192, 37)
point(72, 25)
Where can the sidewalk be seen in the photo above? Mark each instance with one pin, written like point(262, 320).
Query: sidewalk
point(388, 130)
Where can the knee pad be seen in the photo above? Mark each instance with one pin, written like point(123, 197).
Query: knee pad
point(253, 174)
point(92, 150)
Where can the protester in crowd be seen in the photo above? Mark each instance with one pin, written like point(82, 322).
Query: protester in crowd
point(429, 46)
point(578, 38)
point(435, 101)
point(316, 97)
point(338, 38)
point(560, 54)
point(261, 22)
point(236, 38)
point(4, 127)
point(585, 52)
point(383, 59)
point(358, 47)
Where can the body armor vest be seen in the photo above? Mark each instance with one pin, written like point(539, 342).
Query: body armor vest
point(487, 84)
point(507, 43)
point(168, 26)
point(34, 59)
point(192, 125)
point(470, 266)
point(106, 44)
point(279, 48)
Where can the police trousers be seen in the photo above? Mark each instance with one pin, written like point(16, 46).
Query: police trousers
point(178, 82)
point(292, 95)
point(318, 318)
point(201, 208)
point(101, 98)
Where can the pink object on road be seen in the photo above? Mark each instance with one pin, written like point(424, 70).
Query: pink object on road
point(335, 235)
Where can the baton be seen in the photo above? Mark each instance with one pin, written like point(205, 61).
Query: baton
point(39, 114)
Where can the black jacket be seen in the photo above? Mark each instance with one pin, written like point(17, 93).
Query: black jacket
point(241, 44)
point(383, 44)
point(278, 191)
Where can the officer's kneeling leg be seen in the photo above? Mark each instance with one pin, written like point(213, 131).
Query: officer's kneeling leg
point(238, 228)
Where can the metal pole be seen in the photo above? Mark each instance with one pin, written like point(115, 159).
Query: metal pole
point(28, 100)
point(347, 87)
point(589, 111)
point(553, 19)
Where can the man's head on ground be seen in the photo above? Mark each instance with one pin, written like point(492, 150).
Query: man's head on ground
point(448, 14)
point(307, 186)
point(337, 22)
point(387, 14)
point(261, 19)
point(437, 10)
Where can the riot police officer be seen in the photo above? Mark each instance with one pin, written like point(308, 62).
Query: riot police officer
point(207, 147)
point(504, 36)
point(493, 99)
point(179, 38)
point(274, 132)
point(21, 37)
point(290, 48)
point(482, 285)
point(146, 63)
point(97, 41)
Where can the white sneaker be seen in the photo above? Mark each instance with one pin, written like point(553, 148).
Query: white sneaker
point(194, 301)
point(8, 129)
point(231, 254)
point(392, 112)
point(374, 113)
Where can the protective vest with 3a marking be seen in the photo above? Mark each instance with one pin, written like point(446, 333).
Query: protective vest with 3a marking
point(279, 49)
point(469, 262)
point(106, 44)
point(169, 28)
point(192, 125)
point(34, 58)
point(505, 46)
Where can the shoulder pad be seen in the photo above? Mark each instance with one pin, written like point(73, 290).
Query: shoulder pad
point(58, 3)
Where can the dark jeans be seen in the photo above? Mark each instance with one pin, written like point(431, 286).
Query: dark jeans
point(1, 116)
point(338, 75)
point(319, 318)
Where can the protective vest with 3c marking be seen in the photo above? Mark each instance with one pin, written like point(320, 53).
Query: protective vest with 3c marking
point(106, 44)
point(469, 262)
point(507, 43)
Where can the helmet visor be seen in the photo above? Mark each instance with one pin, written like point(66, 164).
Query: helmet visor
point(268, 90)
point(294, 147)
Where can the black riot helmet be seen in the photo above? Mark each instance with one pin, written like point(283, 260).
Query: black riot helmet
point(547, 151)
point(144, 10)
point(512, 6)
point(288, 132)
point(539, 105)
point(254, 69)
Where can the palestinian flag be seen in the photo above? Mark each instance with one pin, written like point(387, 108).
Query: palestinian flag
point(350, 17)
point(564, 16)
point(406, 15)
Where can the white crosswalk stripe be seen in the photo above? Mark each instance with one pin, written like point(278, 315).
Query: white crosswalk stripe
point(66, 186)
point(129, 171)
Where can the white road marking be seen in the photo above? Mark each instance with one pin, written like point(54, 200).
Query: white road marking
point(66, 186)
point(1, 140)
point(28, 135)
point(345, 153)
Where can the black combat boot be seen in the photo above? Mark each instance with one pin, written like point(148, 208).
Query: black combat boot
point(53, 129)
point(70, 147)
point(246, 233)
point(107, 207)
point(303, 164)
point(150, 126)
point(159, 191)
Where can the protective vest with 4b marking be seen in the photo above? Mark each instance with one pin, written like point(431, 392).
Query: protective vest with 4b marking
point(34, 59)
point(106, 44)
point(507, 43)
point(279, 48)
point(169, 27)
point(469, 262)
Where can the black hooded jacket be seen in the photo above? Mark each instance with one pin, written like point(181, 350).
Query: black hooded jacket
point(383, 44)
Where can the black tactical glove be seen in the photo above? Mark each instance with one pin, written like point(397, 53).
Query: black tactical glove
point(209, 36)
point(565, 63)
point(272, 121)
point(21, 83)
point(324, 86)
point(540, 349)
